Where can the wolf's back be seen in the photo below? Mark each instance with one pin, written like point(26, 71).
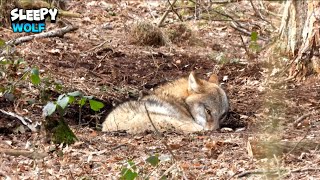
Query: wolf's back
point(138, 116)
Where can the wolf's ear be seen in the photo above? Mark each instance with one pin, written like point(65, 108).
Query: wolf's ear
point(194, 83)
point(214, 79)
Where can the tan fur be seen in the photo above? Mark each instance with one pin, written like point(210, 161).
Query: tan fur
point(185, 105)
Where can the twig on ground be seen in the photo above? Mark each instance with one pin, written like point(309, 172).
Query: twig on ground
point(71, 175)
point(304, 170)
point(167, 171)
point(119, 146)
point(29, 154)
point(98, 46)
point(308, 130)
point(166, 13)
point(301, 118)
point(267, 11)
point(218, 12)
point(257, 12)
point(234, 24)
point(54, 33)
point(158, 133)
point(164, 142)
point(248, 173)
point(238, 28)
point(22, 119)
point(245, 47)
point(173, 9)
point(272, 172)
point(223, 1)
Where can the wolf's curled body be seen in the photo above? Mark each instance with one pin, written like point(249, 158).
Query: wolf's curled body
point(185, 105)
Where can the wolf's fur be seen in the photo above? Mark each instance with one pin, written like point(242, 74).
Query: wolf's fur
point(185, 105)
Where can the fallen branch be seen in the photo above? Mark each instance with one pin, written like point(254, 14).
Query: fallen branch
point(224, 1)
point(159, 134)
point(29, 124)
point(250, 55)
point(164, 142)
point(25, 153)
point(170, 7)
point(263, 149)
point(173, 10)
point(54, 33)
point(304, 170)
point(300, 119)
point(248, 173)
point(235, 25)
point(257, 12)
point(297, 144)
point(272, 172)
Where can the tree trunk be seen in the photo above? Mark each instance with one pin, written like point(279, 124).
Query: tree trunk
point(300, 30)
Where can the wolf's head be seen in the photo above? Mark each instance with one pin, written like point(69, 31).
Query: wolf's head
point(207, 101)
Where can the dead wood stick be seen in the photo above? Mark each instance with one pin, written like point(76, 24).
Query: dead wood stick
point(164, 142)
point(245, 47)
point(248, 173)
point(216, 11)
point(257, 12)
point(25, 153)
point(158, 132)
point(262, 149)
point(301, 118)
point(224, 2)
point(166, 13)
point(22, 119)
point(244, 31)
point(304, 170)
point(172, 8)
point(54, 33)
point(294, 148)
point(258, 172)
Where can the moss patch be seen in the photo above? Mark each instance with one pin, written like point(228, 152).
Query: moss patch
point(59, 132)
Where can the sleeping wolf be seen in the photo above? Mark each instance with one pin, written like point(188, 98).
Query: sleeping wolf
point(185, 105)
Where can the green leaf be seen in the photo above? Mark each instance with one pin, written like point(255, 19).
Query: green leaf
point(2, 43)
point(163, 178)
point(49, 109)
point(58, 87)
point(35, 78)
point(63, 101)
point(4, 61)
point(31, 101)
point(153, 160)
point(75, 94)
point(254, 36)
point(71, 99)
point(132, 165)
point(2, 89)
point(128, 174)
point(95, 105)
point(82, 101)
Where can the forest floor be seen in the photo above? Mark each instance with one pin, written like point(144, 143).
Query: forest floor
point(99, 60)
